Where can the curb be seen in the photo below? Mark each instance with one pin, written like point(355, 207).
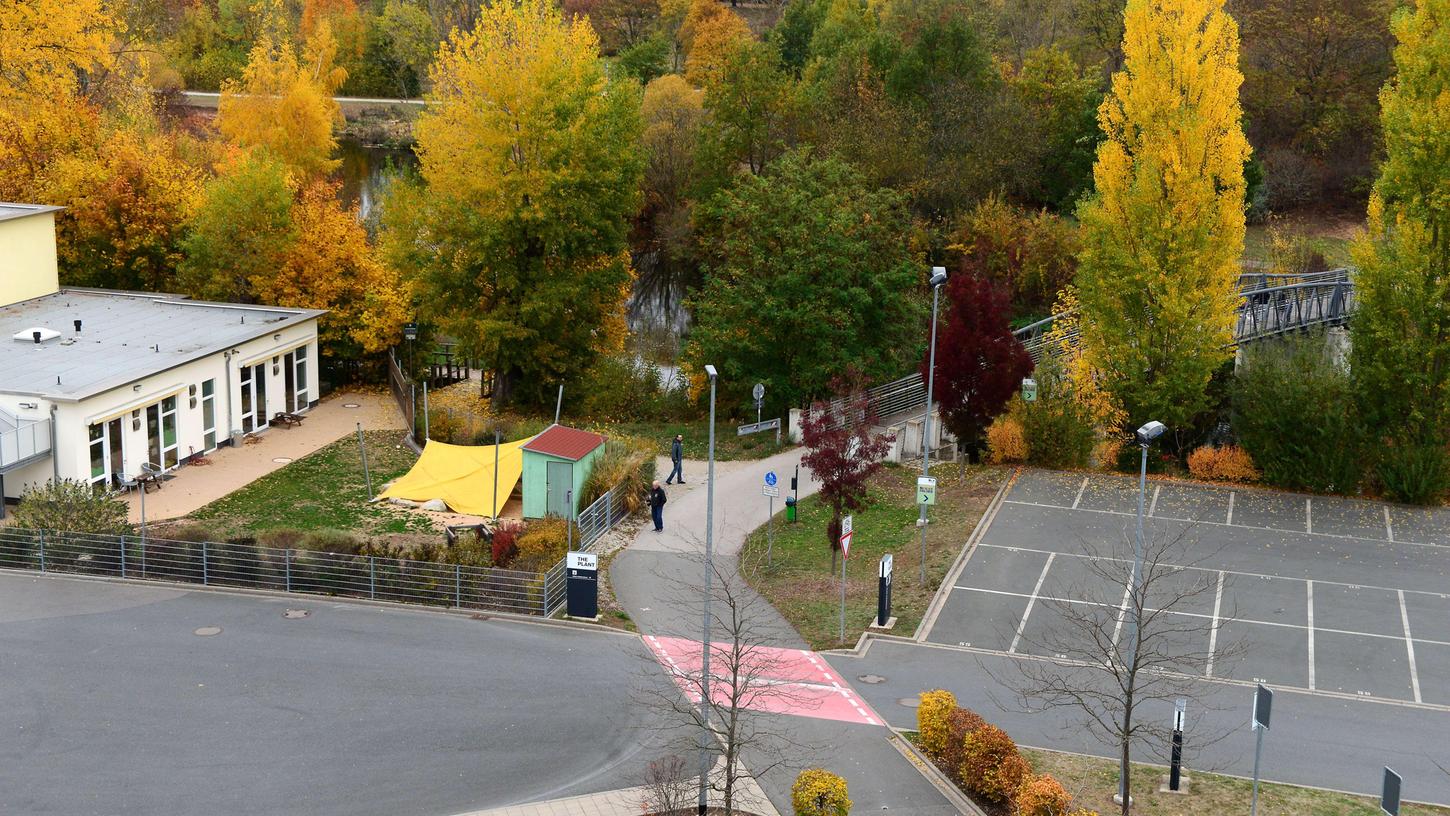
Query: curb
point(932, 774)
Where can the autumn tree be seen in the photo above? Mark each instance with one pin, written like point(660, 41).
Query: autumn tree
point(807, 272)
point(529, 153)
point(673, 114)
point(750, 99)
point(979, 363)
point(843, 451)
point(1400, 355)
point(1164, 230)
point(49, 46)
point(241, 231)
point(1032, 255)
point(284, 102)
point(713, 40)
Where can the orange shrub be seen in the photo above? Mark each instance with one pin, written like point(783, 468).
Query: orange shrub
point(1006, 440)
point(960, 724)
point(1229, 463)
point(932, 719)
point(1041, 796)
point(991, 765)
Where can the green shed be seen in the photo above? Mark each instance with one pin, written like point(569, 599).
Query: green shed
point(556, 463)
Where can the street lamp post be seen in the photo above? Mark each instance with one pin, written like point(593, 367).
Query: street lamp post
point(709, 587)
point(1146, 435)
point(938, 277)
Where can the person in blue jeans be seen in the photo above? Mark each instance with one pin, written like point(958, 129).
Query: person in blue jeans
point(677, 455)
point(657, 505)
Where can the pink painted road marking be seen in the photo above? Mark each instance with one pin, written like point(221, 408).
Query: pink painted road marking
point(783, 681)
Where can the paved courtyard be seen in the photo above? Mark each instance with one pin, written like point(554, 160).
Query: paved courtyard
point(1325, 594)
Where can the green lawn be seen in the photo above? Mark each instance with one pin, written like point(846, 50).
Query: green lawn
point(802, 585)
point(324, 490)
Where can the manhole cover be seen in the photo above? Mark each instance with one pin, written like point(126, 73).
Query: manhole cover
point(910, 702)
point(281, 460)
point(351, 405)
point(872, 679)
point(295, 613)
point(208, 631)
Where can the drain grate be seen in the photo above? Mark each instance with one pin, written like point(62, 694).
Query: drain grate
point(871, 679)
point(295, 613)
point(208, 631)
point(910, 702)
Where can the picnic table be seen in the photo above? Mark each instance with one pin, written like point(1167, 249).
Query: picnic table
point(287, 420)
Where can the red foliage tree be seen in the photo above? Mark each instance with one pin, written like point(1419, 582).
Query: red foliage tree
point(979, 364)
point(842, 453)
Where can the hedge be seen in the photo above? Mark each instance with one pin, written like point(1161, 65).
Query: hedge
point(818, 792)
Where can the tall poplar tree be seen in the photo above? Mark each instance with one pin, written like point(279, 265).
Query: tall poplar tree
point(1400, 357)
point(529, 151)
point(1163, 232)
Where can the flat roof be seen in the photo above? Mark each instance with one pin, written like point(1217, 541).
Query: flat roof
point(125, 337)
point(10, 210)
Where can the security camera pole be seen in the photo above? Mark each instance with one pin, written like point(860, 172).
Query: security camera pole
point(1146, 435)
point(702, 804)
point(938, 277)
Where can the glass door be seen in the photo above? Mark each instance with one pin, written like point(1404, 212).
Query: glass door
point(254, 397)
point(294, 366)
point(161, 441)
point(107, 452)
point(208, 416)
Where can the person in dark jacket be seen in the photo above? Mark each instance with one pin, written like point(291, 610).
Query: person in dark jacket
point(657, 506)
point(677, 455)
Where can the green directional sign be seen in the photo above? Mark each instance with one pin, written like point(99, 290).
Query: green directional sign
point(926, 490)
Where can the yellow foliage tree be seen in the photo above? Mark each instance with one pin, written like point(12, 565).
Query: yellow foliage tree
point(1163, 232)
point(46, 45)
point(284, 103)
point(714, 38)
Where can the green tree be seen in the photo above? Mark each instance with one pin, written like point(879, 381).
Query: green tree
point(72, 506)
point(241, 231)
point(1401, 333)
point(529, 151)
point(1164, 230)
point(807, 273)
point(750, 101)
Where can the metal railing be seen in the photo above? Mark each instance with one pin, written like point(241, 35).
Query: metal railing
point(286, 570)
point(591, 524)
point(403, 392)
point(29, 440)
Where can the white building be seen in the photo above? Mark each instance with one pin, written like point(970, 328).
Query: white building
point(94, 383)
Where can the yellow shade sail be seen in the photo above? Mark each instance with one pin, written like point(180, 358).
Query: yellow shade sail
point(462, 476)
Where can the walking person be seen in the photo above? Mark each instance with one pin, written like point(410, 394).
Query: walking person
point(657, 505)
point(677, 455)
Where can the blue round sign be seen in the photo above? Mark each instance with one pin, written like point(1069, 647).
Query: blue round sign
point(770, 478)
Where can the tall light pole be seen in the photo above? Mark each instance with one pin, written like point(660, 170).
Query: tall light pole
point(1146, 435)
point(938, 277)
point(709, 588)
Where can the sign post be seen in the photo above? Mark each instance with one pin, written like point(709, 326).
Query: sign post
point(582, 585)
point(846, 531)
point(1029, 389)
point(1390, 793)
point(771, 491)
point(883, 592)
point(1263, 706)
point(758, 392)
point(1175, 770)
point(926, 490)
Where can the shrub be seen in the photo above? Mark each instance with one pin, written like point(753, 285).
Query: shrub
point(991, 765)
point(333, 541)
point(1006, 441)
point(283, 539)
point(1414, 471)
point(1229, 463)
point(627, 460)
point(1107, 450)
point(505, 543)
point(819, 792)
point(188, 531)
point(960, 725)
point(1041, 796)
point(1059, 429)
point(1293, 412)
point(932, 721)
point(73, 506)
point(541, 545)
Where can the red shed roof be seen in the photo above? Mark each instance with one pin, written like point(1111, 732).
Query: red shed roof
point(565, 443)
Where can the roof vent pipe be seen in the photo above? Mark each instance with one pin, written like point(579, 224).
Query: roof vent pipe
point(78, 326)
point(35, 335)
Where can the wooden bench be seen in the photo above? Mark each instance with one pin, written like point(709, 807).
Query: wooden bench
point(482, 532)
point(287, 420)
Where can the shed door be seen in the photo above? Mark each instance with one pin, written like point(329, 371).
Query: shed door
point(560, 476)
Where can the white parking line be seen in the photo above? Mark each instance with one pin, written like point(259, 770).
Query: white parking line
point(1078, 499)
point(1153, 507)
point(1309, 516)
point(1410, 647)
point(1213, 633)
point(1389, 528)
point(1230, 519)
point(1030, 603)
point(1310, 585)
point(1123, 610)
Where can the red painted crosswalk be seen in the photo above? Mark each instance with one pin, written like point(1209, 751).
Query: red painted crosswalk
point(779, 681)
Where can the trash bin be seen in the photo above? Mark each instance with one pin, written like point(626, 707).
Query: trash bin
point(790, 508)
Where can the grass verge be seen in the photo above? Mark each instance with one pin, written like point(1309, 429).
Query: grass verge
point(798, 578)
point(324, 490)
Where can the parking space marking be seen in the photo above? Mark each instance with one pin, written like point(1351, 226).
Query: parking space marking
point(1309, 516)
point(1389, 528)
point(1310, 585)
point(1410, 647)
point(1030, 603)
point(1213, 632)
point(1230, 521)
point(1122, 610)
point(1078, 498)
point(1153, 507)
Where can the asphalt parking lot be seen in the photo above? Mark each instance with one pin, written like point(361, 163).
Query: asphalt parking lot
point(1330, 595)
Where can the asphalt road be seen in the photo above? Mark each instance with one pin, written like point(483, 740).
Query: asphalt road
point(114, 704)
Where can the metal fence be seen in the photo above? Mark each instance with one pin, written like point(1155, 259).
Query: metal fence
point(285, 570)
point(592, 523)
point(403, 392)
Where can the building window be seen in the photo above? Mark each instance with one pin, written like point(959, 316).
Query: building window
point(161, 441)
point(208, 415)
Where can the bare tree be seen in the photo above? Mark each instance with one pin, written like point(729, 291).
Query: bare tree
point(748, 680)
point(1105, 665)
